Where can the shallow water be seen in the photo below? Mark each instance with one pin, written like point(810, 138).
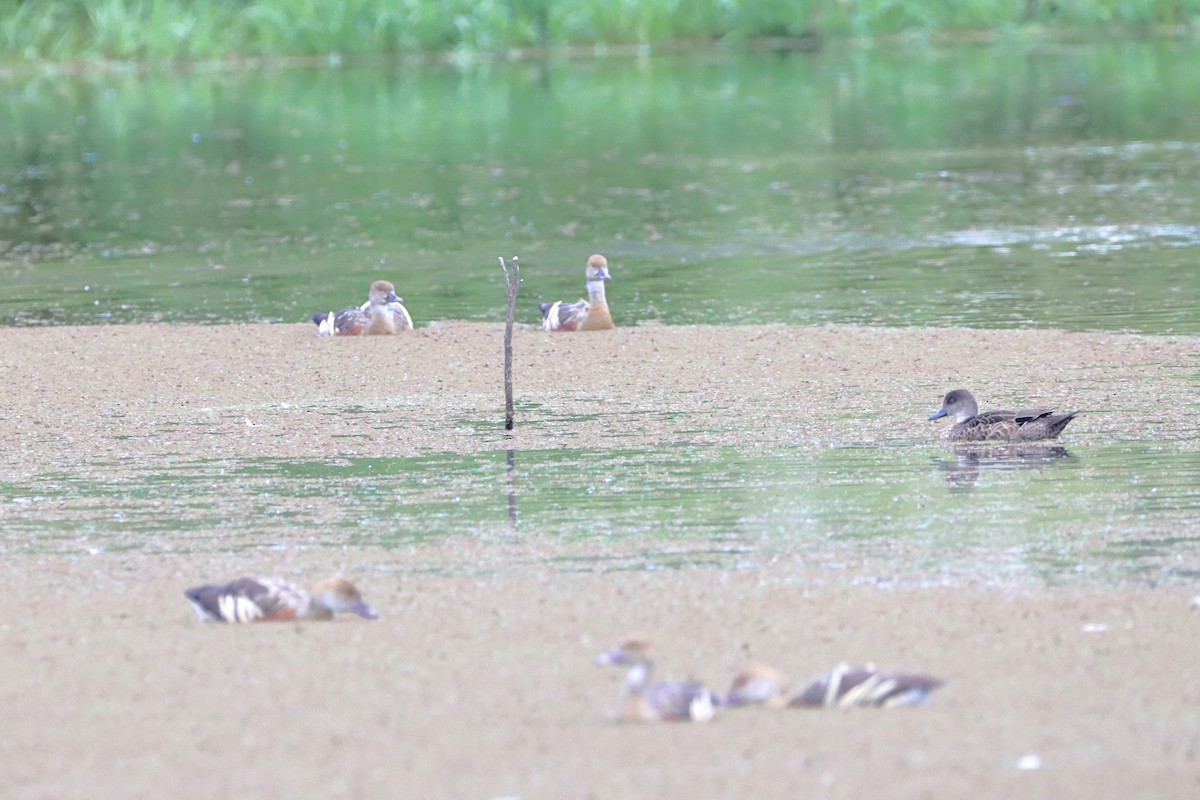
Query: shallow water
point(977, 187)
point(987, 187)
point(1056, 514)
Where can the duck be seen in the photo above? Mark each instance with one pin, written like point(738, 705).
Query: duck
point(848, 687)
point(645, 701)
point(383, 313)
point(274, 600)
point(757, 685)
point(585, 315)
point(1025, 425)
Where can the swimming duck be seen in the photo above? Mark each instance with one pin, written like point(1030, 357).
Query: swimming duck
point(1025, 425)
point(757, 684)
point(586, 315)
point(271, 600)
point(383, 312)
point(847, 687)
point(644, 701)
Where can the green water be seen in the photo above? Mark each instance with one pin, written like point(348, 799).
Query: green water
point(988, 187)
point(1102, 515)
point(1051, 188)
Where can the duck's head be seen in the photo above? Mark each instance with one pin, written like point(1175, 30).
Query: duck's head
point(627, 653)
point(382, 293)
point(634, 654)
point(597, 268)
point(959, 404)
point(339, 594)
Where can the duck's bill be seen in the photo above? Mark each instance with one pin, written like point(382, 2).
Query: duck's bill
point(610, 659)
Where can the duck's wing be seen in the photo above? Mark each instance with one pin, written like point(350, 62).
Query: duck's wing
point(247, 600)
point(562, 316)
point(347, 322)
point(1042, 425)
point(401, 317)
point(995, 417)
point(1027, 424)
point(1024, 415)
point(845, 687)
point(999, 425)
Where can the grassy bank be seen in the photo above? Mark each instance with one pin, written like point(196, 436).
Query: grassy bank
point(183, 30)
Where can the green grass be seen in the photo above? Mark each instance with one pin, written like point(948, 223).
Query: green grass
point(185, 31)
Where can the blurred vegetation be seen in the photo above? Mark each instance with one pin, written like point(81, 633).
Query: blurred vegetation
point(184, 30)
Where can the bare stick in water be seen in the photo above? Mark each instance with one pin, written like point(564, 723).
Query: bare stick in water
point(512, 283)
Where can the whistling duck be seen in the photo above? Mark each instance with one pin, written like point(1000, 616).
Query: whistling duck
point(1026, 425)
point(757, 684)
point(586, 315)
point(644, 701)
point(865, 686)
point(383, 312)
point(270, 599)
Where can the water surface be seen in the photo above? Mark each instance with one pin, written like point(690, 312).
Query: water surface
point(1058, 514)
point(985, 187)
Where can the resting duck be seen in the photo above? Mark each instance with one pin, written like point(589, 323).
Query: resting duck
point(273, 600)
point(644, 701)
point(757, 684)
point(383, 312)
point(1025, 425)
point(865, 686)
point(585, 315)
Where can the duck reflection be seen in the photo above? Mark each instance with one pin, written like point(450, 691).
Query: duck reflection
point(972, 459)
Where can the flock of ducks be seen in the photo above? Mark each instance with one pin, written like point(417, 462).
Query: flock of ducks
point(268, 599)
point(247, 600)
point(384, 313)
point(644, 700)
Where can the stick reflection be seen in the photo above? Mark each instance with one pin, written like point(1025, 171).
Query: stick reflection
point(511, 471)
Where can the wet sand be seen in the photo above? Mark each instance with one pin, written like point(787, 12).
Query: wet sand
point(158, 391)
point(478, 681)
